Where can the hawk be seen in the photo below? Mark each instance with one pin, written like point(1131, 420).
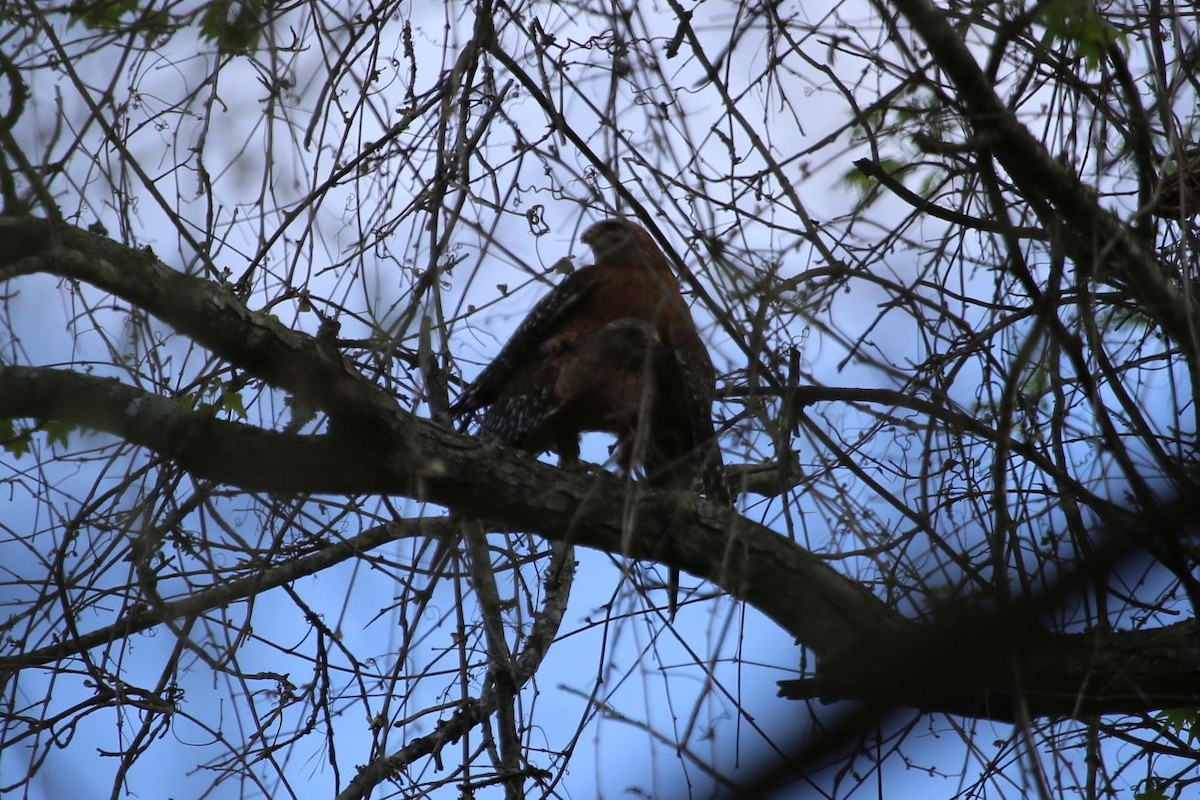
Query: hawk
point(611, 384)
point(612, 348)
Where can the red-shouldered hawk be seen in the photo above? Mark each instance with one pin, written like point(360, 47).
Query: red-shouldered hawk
point(566, 330)
point(608, 384)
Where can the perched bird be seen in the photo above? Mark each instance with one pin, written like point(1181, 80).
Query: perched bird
point(570, 367)
point(610, 383)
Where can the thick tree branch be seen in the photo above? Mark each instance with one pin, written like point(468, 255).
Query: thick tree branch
point(985, 671)
point(481, 479)
point(867, 650)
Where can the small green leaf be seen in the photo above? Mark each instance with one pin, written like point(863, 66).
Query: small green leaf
point(155, 24)
point(234, 25)
point(231, 402)
point(101, 14)
point(856, 179)
point(869, 187)
point(1151, 792)
point(1184, 721)
point(1078, 24)
point(58, 432)
point(14, 441)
